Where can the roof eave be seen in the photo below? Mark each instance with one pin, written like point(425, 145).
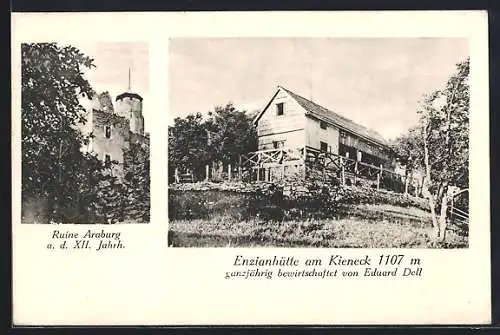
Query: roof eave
point(259, 115)
point(375, 141)
point(128, 94)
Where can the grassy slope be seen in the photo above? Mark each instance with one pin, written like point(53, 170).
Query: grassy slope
point(361, 226)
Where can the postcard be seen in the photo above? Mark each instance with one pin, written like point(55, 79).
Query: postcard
point(263, 168)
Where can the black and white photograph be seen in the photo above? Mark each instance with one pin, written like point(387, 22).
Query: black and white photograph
point(299, 156)
point(85, 141)
point(318, 142)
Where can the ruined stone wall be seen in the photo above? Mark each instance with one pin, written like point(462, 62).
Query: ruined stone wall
point(106, 102)
point(103, 102)
point(143, 143)
point(131, 108)
point(118, 141)
point(140, 139)
point(137, 123)
point(126, 105)
point(310, 189)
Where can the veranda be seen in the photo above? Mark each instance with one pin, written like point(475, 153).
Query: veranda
point(306, 162)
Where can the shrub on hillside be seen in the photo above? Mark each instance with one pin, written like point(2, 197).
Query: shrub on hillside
point(354, 195)
point(276, 201)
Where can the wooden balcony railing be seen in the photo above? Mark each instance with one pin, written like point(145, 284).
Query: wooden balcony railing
point(257, 166)
point(326, 162)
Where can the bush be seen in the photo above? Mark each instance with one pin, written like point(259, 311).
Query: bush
point(275, 201)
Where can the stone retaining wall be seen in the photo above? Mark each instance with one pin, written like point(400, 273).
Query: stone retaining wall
point(308, 189)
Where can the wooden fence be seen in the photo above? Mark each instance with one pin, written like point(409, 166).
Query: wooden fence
point(304, 162)
point(326, 164)
point(457, 214)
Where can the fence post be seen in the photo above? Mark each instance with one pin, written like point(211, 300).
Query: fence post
point(176, 175)
point(304, 158)
point(452, 206)
point(379, 175)
point(229, 172)
point(239, 169)
point(355, 172)
point(342, 170)
point(207, 172)
point(324, 168)
point(258, 173)
point(406, 182)
point(266, 174)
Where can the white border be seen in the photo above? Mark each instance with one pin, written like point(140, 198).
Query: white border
point(148, 283)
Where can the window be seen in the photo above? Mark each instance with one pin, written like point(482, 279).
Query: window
point(278, 144)
point(107, 131)
point(90, 146)
point(209, 137)
point(322, 124)
point(280, 108)
point(359, 156)
point(323, 146)
point(107, 160)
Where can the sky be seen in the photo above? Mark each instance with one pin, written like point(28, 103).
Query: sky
point(376, 82)
point(112, 61)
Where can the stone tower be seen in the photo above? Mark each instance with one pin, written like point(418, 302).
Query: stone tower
point(114, 128)
point(110, 132)
point(129, 105)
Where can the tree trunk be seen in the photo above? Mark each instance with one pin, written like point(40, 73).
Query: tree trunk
point(406, 182)
point(425, 187)
point(442, 218)
point(443, 189)
point(59, 184)
point(432, 206)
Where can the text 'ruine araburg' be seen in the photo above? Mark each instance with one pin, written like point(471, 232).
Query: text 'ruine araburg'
point(90, 240)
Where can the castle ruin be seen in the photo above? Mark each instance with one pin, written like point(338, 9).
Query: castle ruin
point(113, 128)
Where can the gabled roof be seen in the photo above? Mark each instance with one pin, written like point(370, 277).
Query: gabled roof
point(329, 116)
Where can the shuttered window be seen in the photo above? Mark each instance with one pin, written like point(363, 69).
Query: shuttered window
point(280, 108)
point(107, 160)
point(107, 131)
point(278, 144)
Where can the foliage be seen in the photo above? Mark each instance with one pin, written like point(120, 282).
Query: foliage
point(231, 133)
point(444, 115)
point(445, 132)
point(352, 232)
point(110, 200)
point(408, 149)
point(440, 144)
point(445, 119)
point(272, 214)
point(355, 195)
point(276, 201)
point(78, 201)
point(226, 134)
point(52, 163)
point(137, 182)
point(187, 142)
point(61, 182)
